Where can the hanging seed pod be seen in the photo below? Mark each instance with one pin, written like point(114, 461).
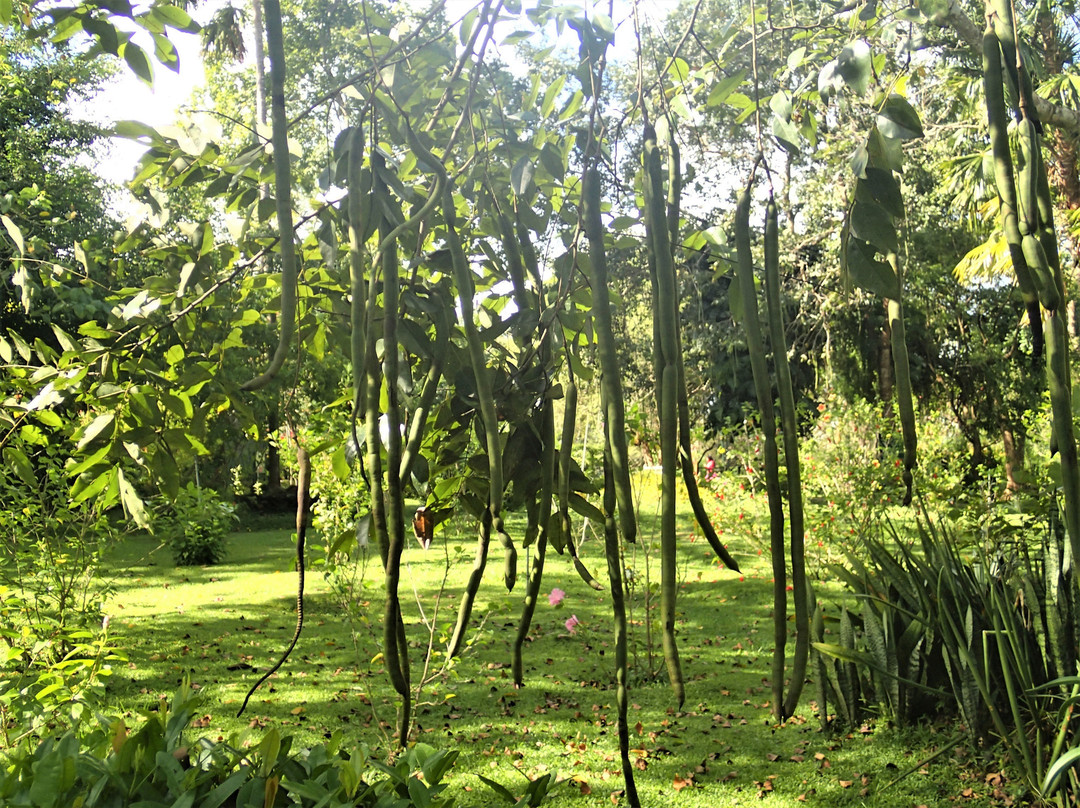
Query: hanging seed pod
point(997, 118)
point(791, 457)
point(756, 347)
point(279, 135)
point(610, 381)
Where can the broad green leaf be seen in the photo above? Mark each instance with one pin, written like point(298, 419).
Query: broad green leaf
point(854, 64)
point(787, 136)
point(935, 10)
point(858, 161)
point(551, 94)
point(94, 429)
point(175, 17)
point(83, 490)
point(5, 12)
point(869, 273)
point(871, 223)
point(340, 463)
point(780, 104)
point(881, 186)
point(722, 89)
point(166, 53)
point(521, 175)
point(795, 58)
point(21, 465)
point(166, 471)
point(898, 119)
point(678, 69)
point(885, 152)
point(551, 159)
point(137, 61)
point(133, 504)
point(15, 233)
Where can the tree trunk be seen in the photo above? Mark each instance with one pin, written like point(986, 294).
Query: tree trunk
point(1014, 442)
point(885, 370)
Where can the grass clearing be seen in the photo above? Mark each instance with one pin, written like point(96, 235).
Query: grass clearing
point(223, 626)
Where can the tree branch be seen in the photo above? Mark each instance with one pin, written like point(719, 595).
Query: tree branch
point(1048, 112)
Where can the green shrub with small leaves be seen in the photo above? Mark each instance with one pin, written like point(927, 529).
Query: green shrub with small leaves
point(195, 526)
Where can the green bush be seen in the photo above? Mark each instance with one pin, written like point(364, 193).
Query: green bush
point(196, 525)
point(53, 648)
point(152, 765)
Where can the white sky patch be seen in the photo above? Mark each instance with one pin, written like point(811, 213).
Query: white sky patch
point(128, 98)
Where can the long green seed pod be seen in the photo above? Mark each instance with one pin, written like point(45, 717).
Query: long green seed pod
point(1028, 187)
point(1037, 259)
point(427, 394)
point(547, 478)
point(665, 319)
point(618, 610)
point(566, 451)
point(279, 135)
point(488, 417)
point(997, 118)
point(755, 345)
point(610, 377)
point(357, 282)
point(686, 454)
point(902, 375)
point(395, 649)
point(791, 457)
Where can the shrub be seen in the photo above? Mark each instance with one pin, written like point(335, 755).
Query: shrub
point(152, 764)
point(196, 525)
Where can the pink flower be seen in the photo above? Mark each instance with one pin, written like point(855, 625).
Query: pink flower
point(556, 596)
point(571, 623)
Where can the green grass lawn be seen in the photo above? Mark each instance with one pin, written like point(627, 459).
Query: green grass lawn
point(224, 626)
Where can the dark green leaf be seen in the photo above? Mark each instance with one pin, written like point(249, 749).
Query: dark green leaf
point(137, 61)
point(787, 136)
point(21, 465)
point(870, 222)
point(881, 186)
point(869, 273)
point(854, 65)
point(899, 119)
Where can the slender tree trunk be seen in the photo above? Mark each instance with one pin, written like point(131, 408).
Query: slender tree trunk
point(885, 370)
point(1014, 441)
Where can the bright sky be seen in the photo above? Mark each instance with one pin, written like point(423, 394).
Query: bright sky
point(130, 99)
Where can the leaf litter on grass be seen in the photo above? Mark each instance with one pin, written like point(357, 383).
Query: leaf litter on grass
point(721, 752)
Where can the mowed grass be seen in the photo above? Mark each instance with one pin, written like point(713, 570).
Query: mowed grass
point(224, 626)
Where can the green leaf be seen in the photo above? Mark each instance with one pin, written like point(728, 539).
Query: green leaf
point(551, 158)
point(521, 175)
point(899, 119)
point(499, 789)
point(584, 507)
point(15, 233)
point(854, 65)
point(19, 462)
point(937, 11)
point(166, 53)
point(340, 463)
point(5, 12)
point(94, 429)
point(133, 504)
point(722, 89)
point(881, 186)
point(787, 136)
point(551, 94)
point(871, 223)
point(1060, 766)
point(175, 17)
point(138, 62)
point(867, 272)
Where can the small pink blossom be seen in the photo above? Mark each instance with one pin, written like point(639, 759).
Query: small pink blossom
point(556, 596)
point(572, 623)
